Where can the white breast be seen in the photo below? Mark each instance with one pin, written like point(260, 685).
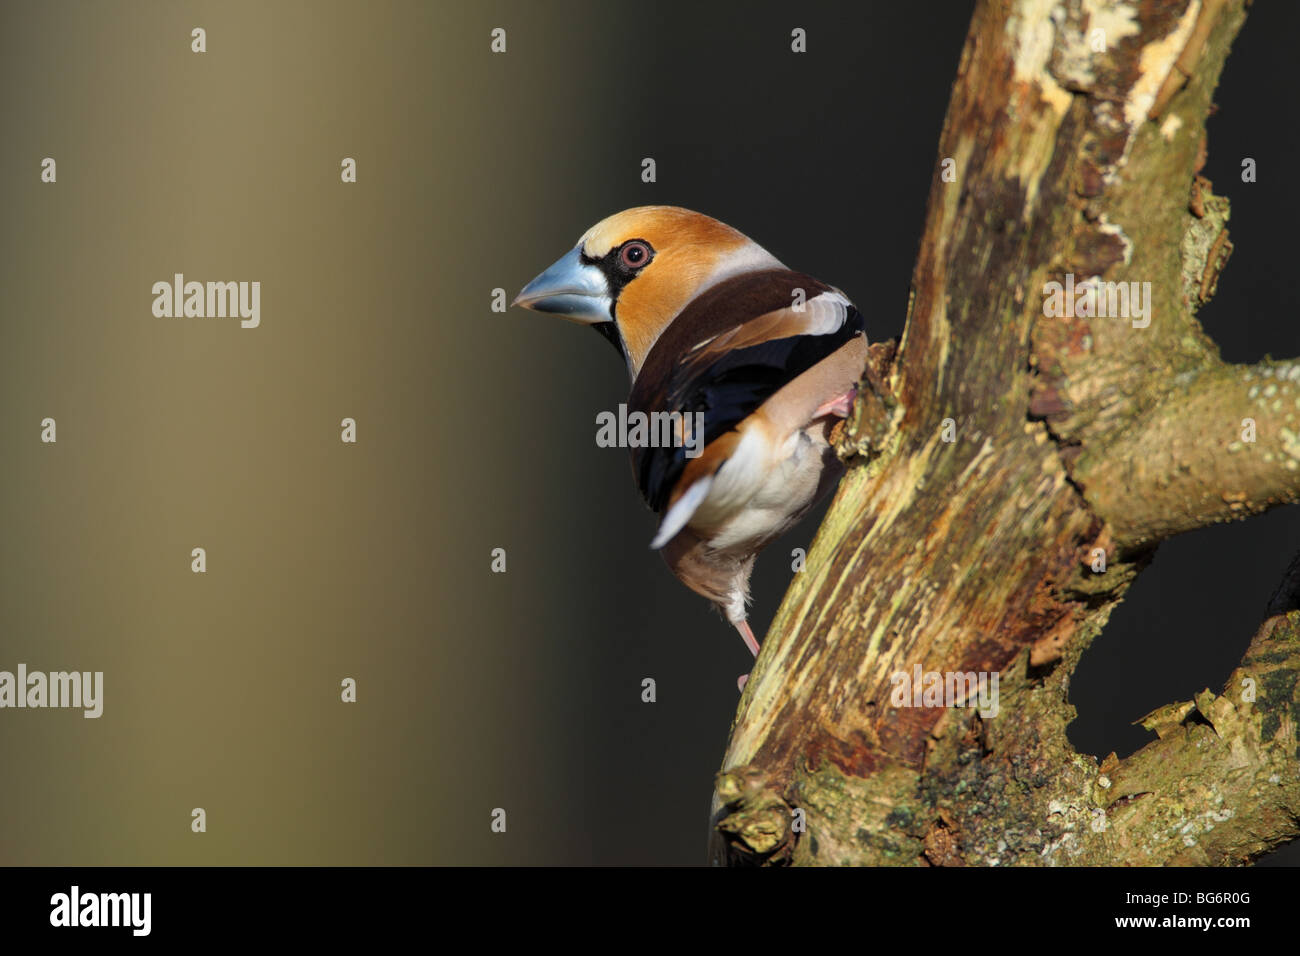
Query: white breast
point(762, 490)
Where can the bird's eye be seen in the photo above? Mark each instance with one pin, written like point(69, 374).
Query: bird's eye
point(635, 255)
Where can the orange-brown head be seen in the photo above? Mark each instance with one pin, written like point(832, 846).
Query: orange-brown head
point(631, 274)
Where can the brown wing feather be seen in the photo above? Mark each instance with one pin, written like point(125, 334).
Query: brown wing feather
point(728, 382)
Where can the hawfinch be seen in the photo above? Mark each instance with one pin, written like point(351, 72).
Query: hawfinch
point(713, 327)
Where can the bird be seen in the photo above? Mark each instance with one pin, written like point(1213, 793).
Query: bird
point(713, 326)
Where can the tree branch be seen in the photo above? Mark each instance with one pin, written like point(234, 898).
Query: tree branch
point(1008, 469)
point(1221, 445)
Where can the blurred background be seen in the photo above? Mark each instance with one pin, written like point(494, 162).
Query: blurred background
point(325, 560)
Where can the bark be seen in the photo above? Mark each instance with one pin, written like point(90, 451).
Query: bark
point(1010, 472)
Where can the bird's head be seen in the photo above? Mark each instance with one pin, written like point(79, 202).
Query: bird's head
point(631, 274)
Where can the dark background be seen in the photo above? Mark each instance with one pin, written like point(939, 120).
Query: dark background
point(476, 690)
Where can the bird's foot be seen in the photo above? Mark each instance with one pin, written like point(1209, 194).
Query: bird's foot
point(839, 406)
point(747, 635)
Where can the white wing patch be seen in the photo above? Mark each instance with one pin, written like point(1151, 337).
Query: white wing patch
point(676, 517)
point(823, 314)
point(827, 312)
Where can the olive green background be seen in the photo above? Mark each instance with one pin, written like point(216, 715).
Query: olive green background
point(476, 429)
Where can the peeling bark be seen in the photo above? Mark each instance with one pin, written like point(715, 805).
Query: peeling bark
point(1010, 471)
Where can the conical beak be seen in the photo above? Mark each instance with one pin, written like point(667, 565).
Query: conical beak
point(572, 289)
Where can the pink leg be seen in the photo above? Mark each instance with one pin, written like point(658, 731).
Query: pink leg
point(839, 406)
point(747, 635)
